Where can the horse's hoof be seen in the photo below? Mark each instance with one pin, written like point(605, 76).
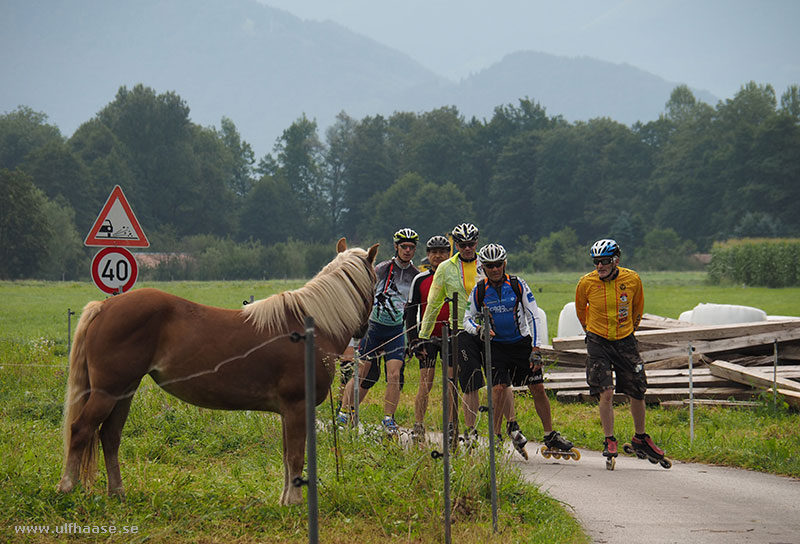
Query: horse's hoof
point(65, 486)
point(117, 492)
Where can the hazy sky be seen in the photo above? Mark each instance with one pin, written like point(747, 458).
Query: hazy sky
point(717, 45)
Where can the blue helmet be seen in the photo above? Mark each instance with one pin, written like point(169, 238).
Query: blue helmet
point(604, 248)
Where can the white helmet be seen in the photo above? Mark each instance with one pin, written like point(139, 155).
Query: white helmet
point(406, 235)
point(465, 232)
point(437, 242)
point(604, 248)
point(492, 253)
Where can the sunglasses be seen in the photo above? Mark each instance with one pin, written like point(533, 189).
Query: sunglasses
point(490, 266)
point(604, 261)
point(407, 247)
point(466, 244)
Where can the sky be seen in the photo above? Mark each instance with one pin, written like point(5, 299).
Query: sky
point(714, 45)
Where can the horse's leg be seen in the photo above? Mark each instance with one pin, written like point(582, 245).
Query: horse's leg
point(294, 447)
point(110, 436)
point(83, 440)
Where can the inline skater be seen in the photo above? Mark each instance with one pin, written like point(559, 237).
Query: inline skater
point(438, 250)
point(609, 302)
point(514, 347)
point(458, 274)
point(385, 333)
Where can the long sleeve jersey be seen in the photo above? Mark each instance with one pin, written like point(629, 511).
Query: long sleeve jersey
point(512, 319)
point(391, 292)
point(452, 276)
point(613, 308)
point(417, 301)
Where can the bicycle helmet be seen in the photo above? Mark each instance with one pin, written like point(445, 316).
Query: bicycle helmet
point(492, 253)
point(437, 242)
point(465, 232)
point(604, 248)
point(406, 235)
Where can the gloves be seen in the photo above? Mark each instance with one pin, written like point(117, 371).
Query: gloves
point(536, 358)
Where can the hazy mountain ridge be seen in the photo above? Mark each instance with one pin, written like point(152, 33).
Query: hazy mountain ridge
point(263, 68)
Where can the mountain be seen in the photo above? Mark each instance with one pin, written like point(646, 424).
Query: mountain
point(264, 68)
point(576, 88)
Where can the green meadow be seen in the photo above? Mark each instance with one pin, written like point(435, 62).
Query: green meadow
point(195, 475)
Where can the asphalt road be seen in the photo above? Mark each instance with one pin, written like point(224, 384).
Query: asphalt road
point(689, 503)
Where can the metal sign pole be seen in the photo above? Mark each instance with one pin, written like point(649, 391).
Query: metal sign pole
point(487, 347)
point(445, 437)
point(311, 432)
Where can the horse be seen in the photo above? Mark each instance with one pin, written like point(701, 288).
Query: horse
point(211, 357)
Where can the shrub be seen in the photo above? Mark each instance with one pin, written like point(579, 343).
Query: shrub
point(751, 261)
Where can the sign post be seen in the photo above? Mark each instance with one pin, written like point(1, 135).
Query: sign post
point(114, 268)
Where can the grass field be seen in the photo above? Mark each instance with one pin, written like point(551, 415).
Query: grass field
point(195, 475)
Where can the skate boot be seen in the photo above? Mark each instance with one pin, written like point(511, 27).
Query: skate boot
point(344, 417)
point(470, 438)
point(418, 433)
point(390, 427)
point(610, 452)
point(643, 447)
point(557, 446)
point(518, 439)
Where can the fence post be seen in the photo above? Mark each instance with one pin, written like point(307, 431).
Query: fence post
point(70, 313)
point(445, 437)
point(455, 399)
point(311, 432)
point(691, 395)
point(775, 375)
point(356, 386)
point(487, 347)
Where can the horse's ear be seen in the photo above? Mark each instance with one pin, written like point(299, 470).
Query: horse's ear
point(372, 253)
point(341, 245)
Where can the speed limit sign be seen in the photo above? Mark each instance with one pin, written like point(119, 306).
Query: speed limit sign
point(114, 270)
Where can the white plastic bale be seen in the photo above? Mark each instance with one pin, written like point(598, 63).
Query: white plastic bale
point(725, 314)
point(541, 333)
point(568, 324)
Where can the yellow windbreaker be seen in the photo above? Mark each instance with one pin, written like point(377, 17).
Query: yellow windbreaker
point(611, 309)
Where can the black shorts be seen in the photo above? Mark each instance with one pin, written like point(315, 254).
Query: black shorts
point(620, 358)
point(511, 364)
point(432, 349)
point(470, 362)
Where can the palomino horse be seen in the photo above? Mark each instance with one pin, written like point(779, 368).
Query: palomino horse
point(210, 357)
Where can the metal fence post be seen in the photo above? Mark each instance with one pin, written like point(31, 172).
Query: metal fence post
point(487, 347)
point(691, 395)
point(311, 432)
point(445, 437)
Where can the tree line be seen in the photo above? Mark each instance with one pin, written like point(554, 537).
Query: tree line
point(542, 186)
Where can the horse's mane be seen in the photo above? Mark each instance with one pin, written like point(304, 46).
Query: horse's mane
point(339, 298)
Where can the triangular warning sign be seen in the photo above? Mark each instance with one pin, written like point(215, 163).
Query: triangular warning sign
point(116, 225)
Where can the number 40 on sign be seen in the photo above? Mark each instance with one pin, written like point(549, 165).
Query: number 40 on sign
point(114, 270)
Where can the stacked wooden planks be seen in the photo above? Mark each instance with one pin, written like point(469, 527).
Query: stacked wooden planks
point(728, 361)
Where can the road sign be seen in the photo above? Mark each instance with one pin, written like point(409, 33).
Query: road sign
point(116, 225)
point(114, 270)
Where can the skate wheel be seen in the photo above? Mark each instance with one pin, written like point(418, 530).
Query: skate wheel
point(627, 448)
point(654, 461)
point(611, 462)
point(576, 455)
point(556, 456)
point(666, 463)
point(524, 454)
point(545, 453)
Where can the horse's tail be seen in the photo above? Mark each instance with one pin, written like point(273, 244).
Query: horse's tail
point(78, 388)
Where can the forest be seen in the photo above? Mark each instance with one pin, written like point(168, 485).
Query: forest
point(543, 187)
